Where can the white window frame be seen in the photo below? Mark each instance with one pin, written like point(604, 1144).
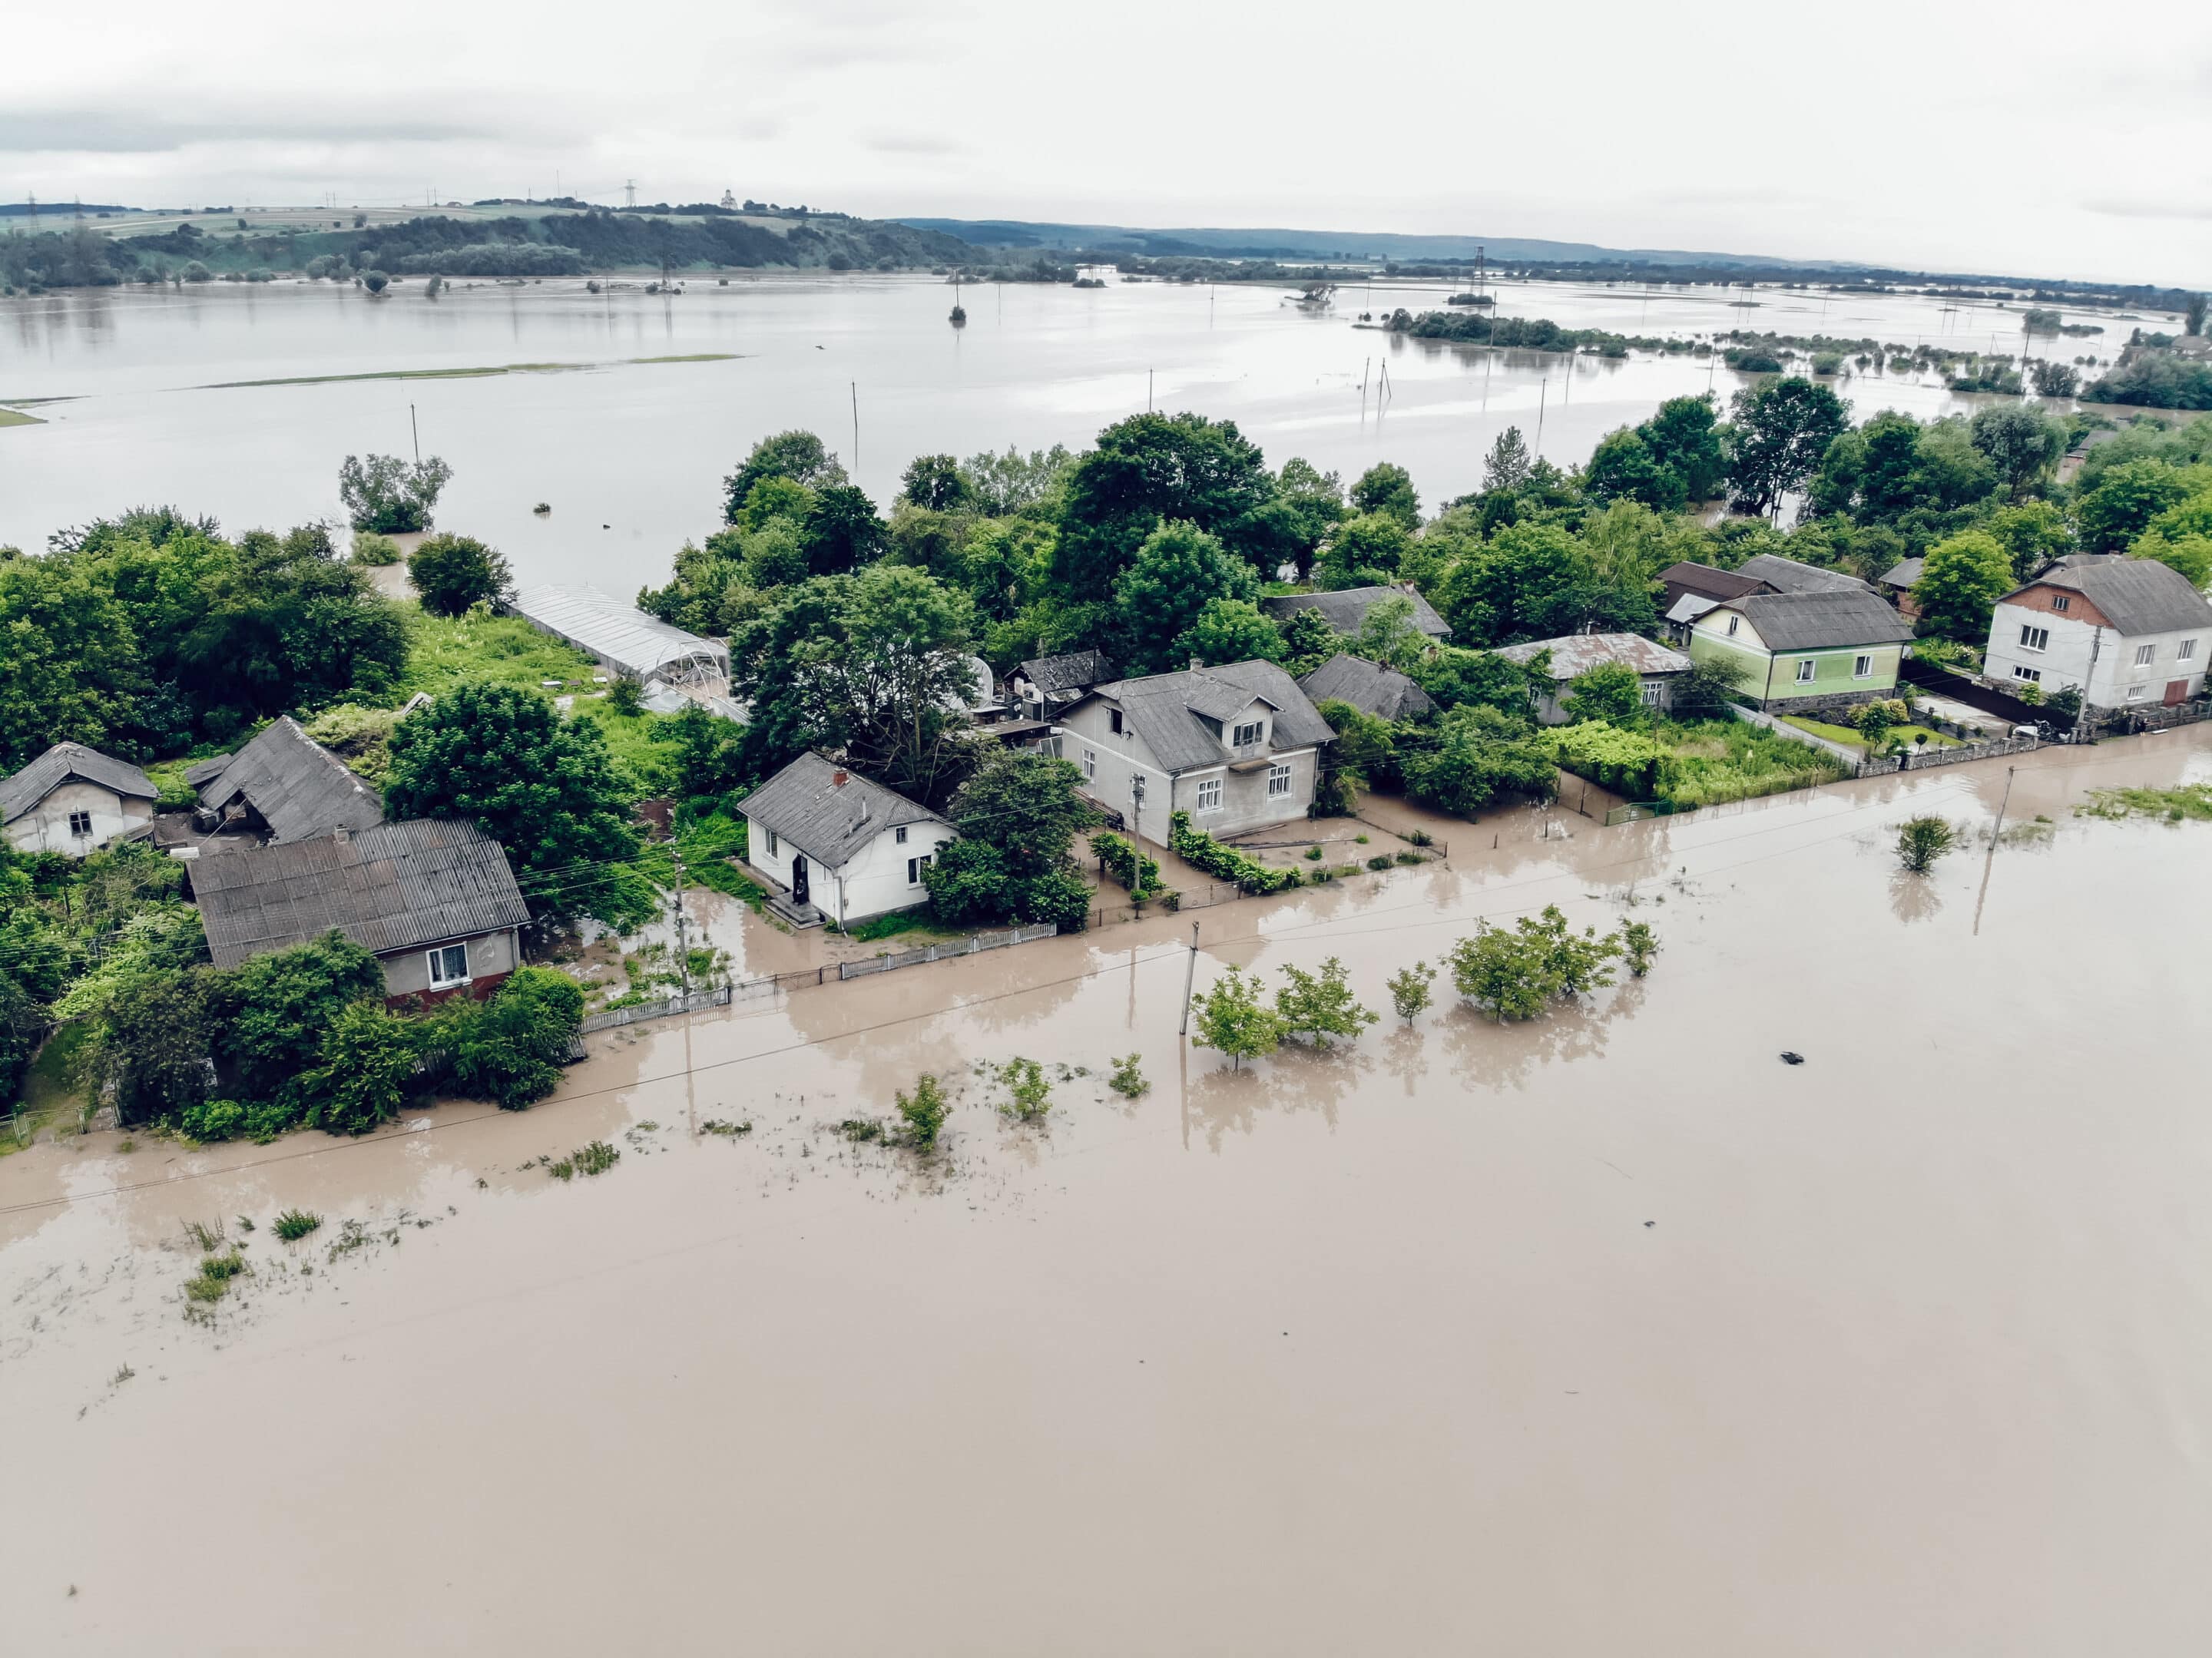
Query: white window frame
point(77, 818)
point(1863, 665)
point(1278, 781)
point(2060, 602)
point(2145, 655)
point(772, 843)
point(1238, 739)
point(2185, 651)
point(2136, 693)
point(1209, 795)
point(1806, 671)
point(2034, 639)
point(1091, 764)
point(1652, 692)
point(439, 959)
point(2033, 676)
point(915, 865)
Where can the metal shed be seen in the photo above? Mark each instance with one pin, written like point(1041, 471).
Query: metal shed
point(624, 638)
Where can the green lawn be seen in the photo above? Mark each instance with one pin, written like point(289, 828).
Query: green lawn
point(898, 922)
point(1716, 761)
point(1909, 735)
point(17, 417)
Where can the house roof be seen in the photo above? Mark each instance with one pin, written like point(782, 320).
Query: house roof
point(388, 888)
point(1690, 606)
point(63, 763)
point(201, 773)
point(614, 630)
point(1367, 686)
point(1823, 621)
point(1904, 573)
point(1577, 653)
point(2137, 595)
point(300, 787)
point(1788, 575)
point(1708, 582)
point(1346, 610)
point(1071, 670)
point(1170, 710)
point(829, 821)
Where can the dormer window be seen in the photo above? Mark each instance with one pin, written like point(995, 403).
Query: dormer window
point(1246, 735)
point(1735, 621)
point(2059, 602)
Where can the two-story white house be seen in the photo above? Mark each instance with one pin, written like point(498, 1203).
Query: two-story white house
point(841, 848)
point(1237, 747)
point(2125, 632)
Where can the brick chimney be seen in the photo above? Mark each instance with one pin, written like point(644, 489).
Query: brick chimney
point(839, 778)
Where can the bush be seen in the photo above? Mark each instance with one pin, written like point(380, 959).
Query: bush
point(1322, 1005)
point(625, 696)
point(510, 1048)
point(1517, 974)
point(1629, 763)
point(371, 549)
point(296, 1224)
point(924, 1111)
point(366, 1073)
point(453, 572)
point(1231, 1018)
point(1921, 842)
point(1127, 1079)
point(1029, 1094)
point(211, 1119)
point(1122, 861)
point(1204, 852)
point(1409, 990)
point(1380, 860)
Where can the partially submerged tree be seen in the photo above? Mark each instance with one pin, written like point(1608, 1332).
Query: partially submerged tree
point(1409, 990)
point(1921, 842)
point(1320, 1004)
point(390, 495)
point(1232, 1018)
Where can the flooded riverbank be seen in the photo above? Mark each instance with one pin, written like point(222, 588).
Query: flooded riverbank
point(1610, 1331)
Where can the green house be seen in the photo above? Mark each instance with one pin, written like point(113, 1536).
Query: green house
point(1805, 652)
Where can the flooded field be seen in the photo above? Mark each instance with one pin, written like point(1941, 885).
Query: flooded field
point(623, 411)
point(1608, 1333)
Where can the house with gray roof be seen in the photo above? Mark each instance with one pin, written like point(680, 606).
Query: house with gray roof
point(2125, 632)
point(284, 787)
point(1237, 747)
point(73, 799)
point(1044, 684)
point(835, 846)
point(1369, 687)
point(1346, 610)
point(433, 899)
point(1656, 667)
point(1687, 591)
point(1790, 575)
point(1805, 652)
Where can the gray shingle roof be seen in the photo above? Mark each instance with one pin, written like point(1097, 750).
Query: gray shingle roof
point(300, 787)
point(1367, 686)
point(804, 805)
point(1788, 575)
point(1823, 621)
point(2138, 595)
point(1071, 670)
point(1166, 710)
point(1705, 580)
point(1346, 610)
point(60, 764)
point(1577, 653)
point(389, 888)
point(201, 773)
point(1904, 573)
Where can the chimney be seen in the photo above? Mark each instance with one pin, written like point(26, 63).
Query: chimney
point(340, 836)
point(1195, 665)
point(838, 778)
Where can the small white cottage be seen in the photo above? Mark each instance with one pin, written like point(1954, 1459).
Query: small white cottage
point(72, 799)
point(841, 848)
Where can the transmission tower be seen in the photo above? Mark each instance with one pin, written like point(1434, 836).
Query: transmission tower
point(629, 193)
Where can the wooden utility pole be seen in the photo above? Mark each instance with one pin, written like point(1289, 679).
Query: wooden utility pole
point(1189, 978)
point(856, 428)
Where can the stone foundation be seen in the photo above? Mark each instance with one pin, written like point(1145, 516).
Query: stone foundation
point(1834, 703)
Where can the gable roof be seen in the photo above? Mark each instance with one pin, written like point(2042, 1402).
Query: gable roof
point(1577, 653)
point(389, 888)
point(1071, 670)
point(1904, 573)
point(1822, 620)
point(300, 787)
point(1346, 610)
point(1707, 582)
point(1170, 710)
point(1788, 575)
point(1367, 686)
point(829, 820)
point(201, 773)
point(63, 763)
point(2137, 595)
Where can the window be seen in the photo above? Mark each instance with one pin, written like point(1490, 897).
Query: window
point(915, 865)
point(1090, 763)
point(2034, 639)
point(2034, 676)
point(1862, 667)
point(1114, 720)
point(771, 843)
point(2060, 602)
point(2185, 651)
point(2136, 693)
point(1805, 671)
point(899, 834)
point(2145, 655)
point(1735, 621)
point(1246, 735)
point(1209, 795)
point(449, 965)
point(1652, 693)
point(79, 822)
point(1279, 779)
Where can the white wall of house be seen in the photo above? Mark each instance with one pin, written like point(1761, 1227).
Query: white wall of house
point(1278, 793)
point(884, 875)
point(48, 826)
point(407, 972)
point(1109, 759)
point(2040, 647)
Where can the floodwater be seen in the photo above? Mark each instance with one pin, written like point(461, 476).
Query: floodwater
point(1609, 1333)
point(629, 454)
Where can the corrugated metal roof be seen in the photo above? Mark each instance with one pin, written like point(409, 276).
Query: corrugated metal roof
point(300, 787)
point(1367, 686)
point(1904, 573)
point(616, 632)
point(1165, 710)
point(1346, 610)
point(1071, 670)
point(1577, 653)
point(1822, 620)
point(1708, 582)
point(2137, 595)
point(1788, 575)
point(389, 888)
point(201, 773)
point(1690, 606)
point(829, 820)
point(65, 761)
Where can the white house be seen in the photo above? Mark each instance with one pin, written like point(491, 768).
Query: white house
point(1656, 667)
point(2125, 632)
point(72, 799)
point(841, 848)
point(1237, 747)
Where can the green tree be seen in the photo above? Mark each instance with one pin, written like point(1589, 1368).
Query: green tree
point(510, 1047)
point(841, 531)
point(1232, 1018)
point(1623, 468)
point(1782, 428)
point(1363, 552)
point(367, 1070)
point(1686, 438)
point(502, 757)
point(1313, 503)
point(1389, 635)
point(1505, 972)
point(2023, 443)
point(2032, 534)
point(1388, 489)
point(1230, 630)
point(74, 672)
point(772, 498)
point(1175, 575)
point(1307, 640)
point(934, 482)
point(1320, 1004)
point(924, 1113)
point(797, 456)
point(1508, 464)
point(390, 495)
point(1019, 815)
point(2125, 500)
point(1921, 842)
point(1959, 585)
point(1148, 470)
point(275, 1010)
point(1639, 944)
point(453, 572)
point(1409, 990)
point(1015, 483)
point(1611, 691)
point(1534, 581)
point(1475, 756)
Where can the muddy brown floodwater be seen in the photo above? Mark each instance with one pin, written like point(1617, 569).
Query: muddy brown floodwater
point(1610, 1333)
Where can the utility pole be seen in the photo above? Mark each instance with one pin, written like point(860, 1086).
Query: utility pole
point(1137, 816)
point(1189, 977)
point(1543, 396)
point(855, 385)
point(682, 941)
point(416, 431)
point(1148, 390)
point(1989, 863)
point(629, 193)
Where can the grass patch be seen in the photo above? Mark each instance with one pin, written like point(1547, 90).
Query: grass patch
point(895, 925)
point(212, 1281)
point(482, 372)
point(725, 1127)
point(860, 1131)
point(587, 1160)
point(294, 1225)
point(2174, 806)
point(17, 417)
point(1909, 735)
point(1716, 761)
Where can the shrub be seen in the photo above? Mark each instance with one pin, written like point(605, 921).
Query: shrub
point(1516, 975)
point(625, 696)
point(367, 1069)
point(1204, 852)
point(1313, 855)
point(1231, 1018)
point(211, 1119)
point(296, 1224)
point(212, 1282)
point(1630, 763)
point(1409, 990)
point(924, 1111)
point(453, 573)
point(595, 1158)
point(1322, 1005)
point(1639, 944)
point(511, 1047)
point(1380, 860)
point(370, 548)
point(1128, 865)
point(1921, 842)
point(1127, 1080)
point(1029, 1095)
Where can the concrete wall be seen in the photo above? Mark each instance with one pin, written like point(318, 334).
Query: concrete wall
point(491, 955)
point(2116, 680)
point(871, 883)
point(44, 828)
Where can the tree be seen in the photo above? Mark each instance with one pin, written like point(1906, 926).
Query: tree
point(1921, 842)
point(1147, 469)
point(934, 482)
point(1320, 1004)
point(1782, 430)
point(923, 1112)
point(2126, 498)
point(2022, 443)
point(374, 281)
point(1534, 581)
point(1232, 1018)
point(1389, 635)
point(1456, 678)
point(1507, 466)
point(1312, 502)
point(1230, 630)
point(1960, 582)
point(276, 1009)
point(1611, 691)
point(1175, 574)
point(1505, 972)
point(1476, 754)
point(1388, 489)
point(511, 1047)
point(1686, 438)
point(2032, 534)
point(74, 671)
point(1363, 552)
point(1014, 483)
point(503, 758)
point(1307, 640)
point(1409, 990)
point(797, 456)
point(841, 531)
point(708, 758)
point(1623, 468)
point(390, 496)
point(367, 1070)
point(1018, 814)
point(453, 572)
point(2198, 303)
point(2055, 380)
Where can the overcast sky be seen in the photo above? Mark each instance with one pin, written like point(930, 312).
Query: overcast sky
point(2057, 140)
